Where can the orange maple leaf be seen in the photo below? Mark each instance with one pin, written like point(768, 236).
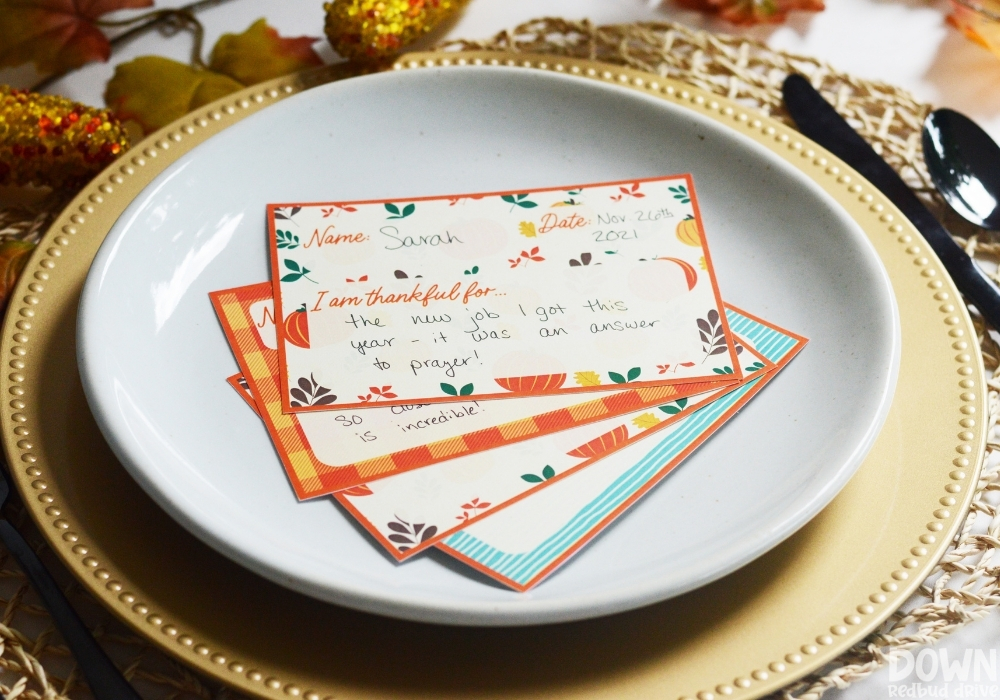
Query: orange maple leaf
point(56, 35)
point(753, 11)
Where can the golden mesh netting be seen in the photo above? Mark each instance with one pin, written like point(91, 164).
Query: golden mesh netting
point(963, 587)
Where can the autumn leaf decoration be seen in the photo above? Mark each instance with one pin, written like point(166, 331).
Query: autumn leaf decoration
point(154, 91)
point(713, 340)
point(752, 11)
point(286, 239)
point(473, 507)
point(297, 272)
point(310, 393)
point(405, 535)
point(547, 473)
point(645, 421)
point(518, 200)
point(525, 256)
point(527, 229)
point(397, 213)
point(379, 393)
point(56, 35)
point(587, 378)
point(632, 191)
point(672, 409)
point(629, 376)
point(452, 391)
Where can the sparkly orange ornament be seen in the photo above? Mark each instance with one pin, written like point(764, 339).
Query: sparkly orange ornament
point(50, 140)
point(370, 30)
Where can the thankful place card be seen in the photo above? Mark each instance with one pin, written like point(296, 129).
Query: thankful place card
point(329, 450)
point(478, 296)
point(522, 544)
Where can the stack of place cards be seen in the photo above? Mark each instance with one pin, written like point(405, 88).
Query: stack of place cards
point(498, 375)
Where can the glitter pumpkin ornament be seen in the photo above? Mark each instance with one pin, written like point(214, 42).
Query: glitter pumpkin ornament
point(373, 30)
point(52, 141)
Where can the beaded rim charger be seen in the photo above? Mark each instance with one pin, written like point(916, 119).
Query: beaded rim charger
point(962, 587)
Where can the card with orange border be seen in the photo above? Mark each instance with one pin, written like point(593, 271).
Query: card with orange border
point(444, 498)
point(521, 545)
point(412, 511)
point(468, 297)
point(328, 451)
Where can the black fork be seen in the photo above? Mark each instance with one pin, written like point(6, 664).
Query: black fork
point(105, 680)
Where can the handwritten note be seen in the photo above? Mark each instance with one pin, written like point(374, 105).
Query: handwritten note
point(327, 450)
point(473, 297)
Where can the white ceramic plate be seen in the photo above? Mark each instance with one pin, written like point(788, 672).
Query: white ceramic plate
point(153, 358)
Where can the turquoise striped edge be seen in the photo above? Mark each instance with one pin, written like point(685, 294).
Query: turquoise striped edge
point(522, 568)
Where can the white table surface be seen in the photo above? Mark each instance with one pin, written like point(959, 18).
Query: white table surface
point(903, 42)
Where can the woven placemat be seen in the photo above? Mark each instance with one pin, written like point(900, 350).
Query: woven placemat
point(965, 586)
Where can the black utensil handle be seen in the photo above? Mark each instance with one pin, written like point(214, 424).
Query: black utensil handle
point(105, 680)
point(817, 119)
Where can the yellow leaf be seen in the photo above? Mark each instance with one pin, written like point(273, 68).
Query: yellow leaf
point(527, 229)
point(587, 378)
point(259, 54)
point(646, 420)
point(155, 91)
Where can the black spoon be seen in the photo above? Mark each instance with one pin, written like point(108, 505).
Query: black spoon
point(964, 163)
point(105, 680)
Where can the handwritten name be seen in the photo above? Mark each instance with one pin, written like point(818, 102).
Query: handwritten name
point(415, 242)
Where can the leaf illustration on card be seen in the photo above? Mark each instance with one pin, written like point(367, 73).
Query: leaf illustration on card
point(547, 473)
point(631, 375)
point(587, 378)
point(405, 535)
point(713, 339)
point(286, 239)
point(297, 272)
point(680, 193)
point(518, 200)
point(472, 508)
point(474, 270)
point(527, 229)
point(452, 391)
point(723, 370)
point(675, 407)
point(286, 213)
point(532, 255)
point(585, 259)
point(308, 392)
point(755, 367)
point(397, 213)
point(645, 421)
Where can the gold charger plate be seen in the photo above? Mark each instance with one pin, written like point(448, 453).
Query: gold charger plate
point(758, 629)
